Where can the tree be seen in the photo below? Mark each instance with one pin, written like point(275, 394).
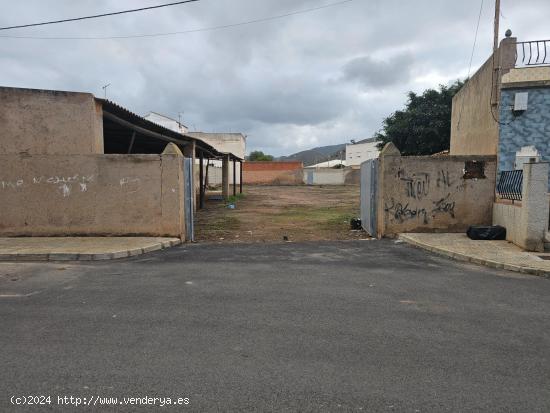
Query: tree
point(259, 156)
point(424, 126)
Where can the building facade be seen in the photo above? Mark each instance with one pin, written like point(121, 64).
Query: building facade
point(360, 152)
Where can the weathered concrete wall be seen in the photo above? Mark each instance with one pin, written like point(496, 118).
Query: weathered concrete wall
point(508, 216)
point(422, 194)
point(474, 130)
point(49, 122)
point(332, 176)
point(526, 224)
point(60, 195)
point(272, 173)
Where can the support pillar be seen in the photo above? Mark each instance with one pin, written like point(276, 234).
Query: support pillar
point(534, 206)
point(202, 183)
point(241, 176)
point(225, 176)
point(234, 177)
point(189, 152)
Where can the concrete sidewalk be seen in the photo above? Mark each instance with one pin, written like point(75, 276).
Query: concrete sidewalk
point(79, 248)
point(495, 254)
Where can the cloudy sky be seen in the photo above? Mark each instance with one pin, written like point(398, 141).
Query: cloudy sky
point(312, 79)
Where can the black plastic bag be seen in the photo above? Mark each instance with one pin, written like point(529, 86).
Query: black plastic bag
point(355, 224)
point(486, 233)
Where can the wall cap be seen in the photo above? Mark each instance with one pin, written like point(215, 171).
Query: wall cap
point(390, 150)
point(172, 149)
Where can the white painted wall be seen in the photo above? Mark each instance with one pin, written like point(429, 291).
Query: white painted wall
point(326, 176)
point(215, 172)
point(167, 122)
point(361, 152)
point(234, 143)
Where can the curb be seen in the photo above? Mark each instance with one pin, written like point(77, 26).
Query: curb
point(90, 257)
point(474, 260)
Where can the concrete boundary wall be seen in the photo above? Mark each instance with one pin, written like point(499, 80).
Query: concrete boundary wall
point(433, 194)
point(48, 122)
point(62, 195)
point(331, 176)
point(526, 223)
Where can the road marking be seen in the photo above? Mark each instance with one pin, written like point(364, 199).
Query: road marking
point(18, 295)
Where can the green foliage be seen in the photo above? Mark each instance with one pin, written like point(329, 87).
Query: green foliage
point(234, 198)
point(259, 156)
point(424, 126)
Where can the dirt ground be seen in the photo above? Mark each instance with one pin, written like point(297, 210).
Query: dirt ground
point(270, 213)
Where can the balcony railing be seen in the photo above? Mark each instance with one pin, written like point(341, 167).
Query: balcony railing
point(533, 53)
point(510, 185)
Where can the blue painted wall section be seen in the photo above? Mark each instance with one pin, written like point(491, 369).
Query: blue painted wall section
point(530, 128)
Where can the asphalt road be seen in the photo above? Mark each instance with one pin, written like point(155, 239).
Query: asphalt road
point(349, 326)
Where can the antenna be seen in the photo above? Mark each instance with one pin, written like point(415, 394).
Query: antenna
point(104, 87)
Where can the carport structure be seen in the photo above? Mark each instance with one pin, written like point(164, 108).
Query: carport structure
point(125, 132)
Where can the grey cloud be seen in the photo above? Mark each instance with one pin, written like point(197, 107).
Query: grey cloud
point(273, 80)
point(373, 73)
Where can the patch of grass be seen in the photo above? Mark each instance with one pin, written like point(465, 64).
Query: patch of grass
point(234, 198)
point(324, 217)
point(220, 223)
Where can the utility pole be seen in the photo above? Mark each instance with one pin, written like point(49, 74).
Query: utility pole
point(497, 25)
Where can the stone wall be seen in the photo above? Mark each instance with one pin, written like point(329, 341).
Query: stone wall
point(49, 122)
point(60, 195)
point(439, 194)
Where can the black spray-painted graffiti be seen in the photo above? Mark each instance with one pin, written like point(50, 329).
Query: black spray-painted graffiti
point(445, 205)
point(443, 179)
point(403, 213)
point(417, 186)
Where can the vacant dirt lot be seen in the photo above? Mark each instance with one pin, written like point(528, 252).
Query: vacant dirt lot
point(269, 213)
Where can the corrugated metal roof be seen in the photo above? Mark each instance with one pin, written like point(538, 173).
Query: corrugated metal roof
point(129, 116)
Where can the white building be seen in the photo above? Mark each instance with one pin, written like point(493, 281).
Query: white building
point(223, 142)
point(360, 152)
point(234, 143)
point(328, 164)
point(167, 122)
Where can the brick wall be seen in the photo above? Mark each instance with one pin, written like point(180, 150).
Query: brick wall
point(273, 173)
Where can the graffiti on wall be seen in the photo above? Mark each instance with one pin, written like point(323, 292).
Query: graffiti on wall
point(417, 189)
point(65, 185)
point(417, 186)
point(403, 212)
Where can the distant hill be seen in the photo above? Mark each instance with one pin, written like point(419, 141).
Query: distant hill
point(316, 155)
